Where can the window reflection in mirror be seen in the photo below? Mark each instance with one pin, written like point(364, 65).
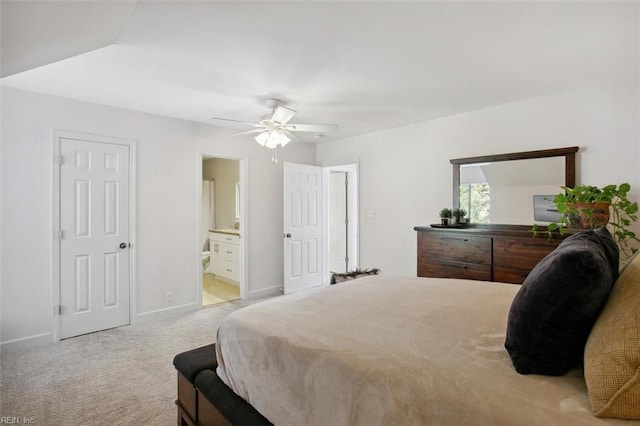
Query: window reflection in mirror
point(502, 192)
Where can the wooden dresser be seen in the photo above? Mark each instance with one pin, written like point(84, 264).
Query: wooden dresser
point(504, 253)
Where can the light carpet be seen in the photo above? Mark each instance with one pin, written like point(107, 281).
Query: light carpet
point(122, 376)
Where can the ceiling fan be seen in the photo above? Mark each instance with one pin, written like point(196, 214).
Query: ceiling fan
point(275, 130)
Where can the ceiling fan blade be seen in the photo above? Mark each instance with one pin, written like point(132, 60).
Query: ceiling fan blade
point(282, 115)
point(314, 128)
point(248, 132)
point(248, 123)
point(290, 135)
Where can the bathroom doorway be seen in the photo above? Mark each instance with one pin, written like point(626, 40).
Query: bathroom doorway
point(221, 231)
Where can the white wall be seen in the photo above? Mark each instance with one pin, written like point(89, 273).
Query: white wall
point(226, 173)
point(405, 174)
point(168, 171)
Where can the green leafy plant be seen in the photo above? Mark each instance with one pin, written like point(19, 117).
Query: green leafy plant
point(459, 212)
point(446, 213)
point(590, 207)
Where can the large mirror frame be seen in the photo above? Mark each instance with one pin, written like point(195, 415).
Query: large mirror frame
point(568, 153)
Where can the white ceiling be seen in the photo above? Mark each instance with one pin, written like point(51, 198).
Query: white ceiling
point(364, 66)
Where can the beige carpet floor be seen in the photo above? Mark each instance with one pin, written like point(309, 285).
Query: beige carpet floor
point(215, 291)
point(122, 376)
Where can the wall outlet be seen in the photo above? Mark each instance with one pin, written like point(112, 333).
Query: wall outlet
point(168, 297)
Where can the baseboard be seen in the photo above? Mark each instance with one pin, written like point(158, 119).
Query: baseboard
point(26, 342)
point(265, 292)
point(228, 281)
point(165, 313)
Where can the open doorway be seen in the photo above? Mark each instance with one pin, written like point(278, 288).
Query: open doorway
point(341, 222)
point(221, 231)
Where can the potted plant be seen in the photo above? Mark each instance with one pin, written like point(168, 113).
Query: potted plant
point(445, 216)
point(589, 207)
point(459, 216)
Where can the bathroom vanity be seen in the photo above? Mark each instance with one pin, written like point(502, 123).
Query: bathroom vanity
point(225, 254)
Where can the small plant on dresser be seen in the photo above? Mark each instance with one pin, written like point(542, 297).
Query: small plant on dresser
point(446, 214)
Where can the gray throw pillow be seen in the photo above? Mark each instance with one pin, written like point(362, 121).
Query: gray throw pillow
point(553, 312)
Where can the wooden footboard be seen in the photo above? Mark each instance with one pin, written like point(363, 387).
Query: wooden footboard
point(208, 414)
point(197, 406)
point(187, 402)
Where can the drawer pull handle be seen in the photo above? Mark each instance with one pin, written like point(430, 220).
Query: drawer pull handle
point(455, 239)
point(229, 270)
point(229, 252)
point(453, 265)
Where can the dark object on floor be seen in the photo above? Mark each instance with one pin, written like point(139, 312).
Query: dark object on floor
point(338, 278)
point(199, 386)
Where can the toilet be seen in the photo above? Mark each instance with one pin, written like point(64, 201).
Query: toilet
point(205, 261)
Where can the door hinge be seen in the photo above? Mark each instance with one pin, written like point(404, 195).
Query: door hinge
point(60, 160)
point(60, 234)
point(60, 310)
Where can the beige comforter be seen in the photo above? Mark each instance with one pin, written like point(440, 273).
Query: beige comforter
point(393, 351)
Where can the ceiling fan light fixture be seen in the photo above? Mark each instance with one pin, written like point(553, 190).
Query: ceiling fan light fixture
point(280, 138)
point(262, 138)
point(271, 139)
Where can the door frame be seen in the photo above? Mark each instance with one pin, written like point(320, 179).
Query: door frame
point(243, 163)
point(351, 169)
point(56, 137)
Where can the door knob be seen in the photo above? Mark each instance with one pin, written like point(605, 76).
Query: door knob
point(123, 245)
point(287, 235)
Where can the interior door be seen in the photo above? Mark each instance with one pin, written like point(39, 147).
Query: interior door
point(302, 227)
point(94, 237)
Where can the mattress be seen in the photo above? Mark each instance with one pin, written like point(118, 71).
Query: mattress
point(391, 350)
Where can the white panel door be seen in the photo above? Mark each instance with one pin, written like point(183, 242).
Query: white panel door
point(94, 244)
point(302, 227)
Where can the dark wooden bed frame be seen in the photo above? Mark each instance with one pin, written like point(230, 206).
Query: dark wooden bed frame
point(209, 402)
point(194, 408)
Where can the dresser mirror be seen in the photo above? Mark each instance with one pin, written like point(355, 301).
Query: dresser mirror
point(500, 189)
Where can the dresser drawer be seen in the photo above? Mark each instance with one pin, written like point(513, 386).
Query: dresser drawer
point(456, 247)
point(505, 274)
point(452, 269)
point(520, 253)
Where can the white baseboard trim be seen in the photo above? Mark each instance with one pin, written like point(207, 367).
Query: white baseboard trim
point(228, 281)
point(164, 313)
point(265, 292)
point(26, 342)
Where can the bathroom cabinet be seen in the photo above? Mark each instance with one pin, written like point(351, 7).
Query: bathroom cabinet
point(225, 255)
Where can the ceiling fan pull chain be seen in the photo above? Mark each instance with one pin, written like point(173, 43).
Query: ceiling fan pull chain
point(274, 157)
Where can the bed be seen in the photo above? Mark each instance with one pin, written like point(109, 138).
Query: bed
point(391, 350)
point(562, 349)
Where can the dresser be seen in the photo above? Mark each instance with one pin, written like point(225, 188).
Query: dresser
point(504, 253)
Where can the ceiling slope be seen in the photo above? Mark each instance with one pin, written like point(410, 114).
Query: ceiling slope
point(36, 33)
